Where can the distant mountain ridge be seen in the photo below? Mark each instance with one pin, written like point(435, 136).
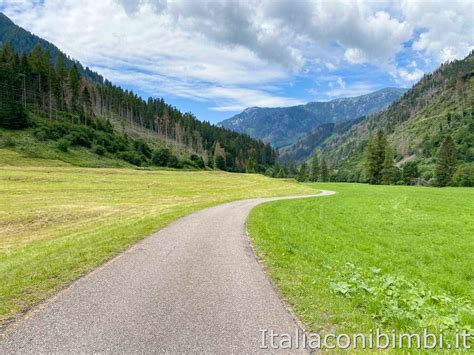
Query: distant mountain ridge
point(283, 126)
point(441, 104)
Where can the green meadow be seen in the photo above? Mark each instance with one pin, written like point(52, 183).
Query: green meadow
point(389, 257)
point(58, 222)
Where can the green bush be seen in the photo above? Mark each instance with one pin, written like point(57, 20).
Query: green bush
point(198, 161)
point(131, 157)
point(173, 162)
point(64, 144)
point(80, 137)
point(269, 172)
point(464, 175)
point(41, 134)
point(99, 150)
point(143, 148)
point(410, 172)
point(161, 157)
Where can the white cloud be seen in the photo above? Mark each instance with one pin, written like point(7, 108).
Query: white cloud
point(447, 27)
point(355, 55)
point(410, 76)
point(246, 48)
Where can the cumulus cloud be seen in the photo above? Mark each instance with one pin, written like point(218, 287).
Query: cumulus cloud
point(447, 28)
point(238, 53)
point(410, 76)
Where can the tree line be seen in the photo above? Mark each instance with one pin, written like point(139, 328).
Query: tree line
point(55, 90)
point(380, 168)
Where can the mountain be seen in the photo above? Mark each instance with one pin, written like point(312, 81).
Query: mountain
point(441, 104)
point(52, 101)
point(305, 146)
point(282, 126)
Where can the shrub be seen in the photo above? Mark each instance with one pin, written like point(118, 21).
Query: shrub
point(464, 175)
point(269, 172)
point(219, 162)
point(131, 157)
point(80, 137)
point(198, 161)
point(7, 142)
point(410, 172)
point(41, 134)
point(143, 148)
point(161, 157)
point(173, 161)
point(99, 150)
point(64, 144)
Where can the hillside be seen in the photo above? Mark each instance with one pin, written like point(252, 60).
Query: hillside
point(285, 125)
point(305, 146)
point(440, 104)
point(58, 103)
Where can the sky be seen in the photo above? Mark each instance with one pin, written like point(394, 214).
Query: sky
point(215, 58)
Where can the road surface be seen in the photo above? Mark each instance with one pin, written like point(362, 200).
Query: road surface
point(194, 286)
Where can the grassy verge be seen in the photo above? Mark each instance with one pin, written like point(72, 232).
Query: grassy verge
point(389, 257)
point(58, 222)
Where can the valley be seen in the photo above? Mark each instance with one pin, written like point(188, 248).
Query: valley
point(213, 171)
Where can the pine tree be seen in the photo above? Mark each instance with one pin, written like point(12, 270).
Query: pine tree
point(251, 165)
point(324, 171)
point(303, 173)
point(389, 170)
point(281, 173)
point(12, 114)
point(60, 66)
point(446, 162)
point(74, 82)
point(314, 173)
point(375, 157)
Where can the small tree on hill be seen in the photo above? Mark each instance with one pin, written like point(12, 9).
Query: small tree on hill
point(389, 170)
point(324, 171)
point(410, 172)
point(314, 173)
point(446, 167)
point(303, 173)
point(374, 158)
point(281, 173)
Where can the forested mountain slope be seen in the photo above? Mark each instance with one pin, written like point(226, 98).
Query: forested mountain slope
point(282, 126)
point(440, 104)
point(45, 91)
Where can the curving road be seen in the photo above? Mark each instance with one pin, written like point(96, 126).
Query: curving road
point(194, 286)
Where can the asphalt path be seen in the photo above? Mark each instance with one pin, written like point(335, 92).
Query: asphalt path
point(195, 286)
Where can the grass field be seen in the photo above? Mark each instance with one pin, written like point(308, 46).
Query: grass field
point(57, 222)
point(393, 257)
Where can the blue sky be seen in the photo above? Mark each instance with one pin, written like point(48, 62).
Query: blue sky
point(215, 58)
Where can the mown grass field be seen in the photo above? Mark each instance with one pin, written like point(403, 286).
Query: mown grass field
point(57, 222)
point(390, 257)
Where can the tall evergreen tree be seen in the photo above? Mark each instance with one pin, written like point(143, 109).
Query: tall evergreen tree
point(12, 114)
point(74, 83)
point(281, 173)
point(389, 170)
point(324, 171)
point(314, 173)
point(375, 157)
point(303, 173)
point(446, 166)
